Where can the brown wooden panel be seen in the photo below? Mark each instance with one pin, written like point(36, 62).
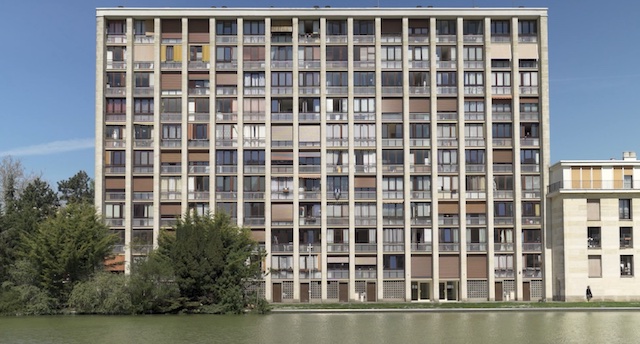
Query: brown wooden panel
point(114, 264)
point(371, 292)
point(199, 37)
point(258, 235)
point(421, 266)
point(503, 156)
point(304, 292)
point(278, 155)
point(226, 79)
point(195, 156)
point(198, 76)
point(309, 133)
point(448, 208)
point(391, 26)
point(343, 292)
point(392, 105)
point(171, 26)
point(114, 183)
point(143, 184)
point(282, 133)
point(576, 181)
point(420, 105)
point(477, 266)
point(476, 208)
point(282, 212)
point(365, 182)
point(449, 266)
point(447, 104)
point(167, 209)
point(276, 292)
point(529, 100)
point(526, 291)
point(498, 295)
point(170, 157)
point(171, 81)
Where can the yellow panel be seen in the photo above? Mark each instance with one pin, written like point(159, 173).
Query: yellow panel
point(586, 177)
point(628, 171)
point(617, 177)
point(205, 53)
point(163, 53)
point(597, 177)
point(575, 177)
point(177, 53)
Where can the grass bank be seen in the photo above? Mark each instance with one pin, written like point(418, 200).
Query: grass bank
point(453, 305)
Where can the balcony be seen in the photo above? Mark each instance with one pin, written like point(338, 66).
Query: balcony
point(199, 65)
point(142, 196)
point(392, 168)
point(446, 64)
point(502, 168)
point(333, 39)
point(447, 90)
point(366, 274)
point(446, 38)
point(366, 221)
point(338, 221)
point(225, 195)
point(419, 90)
point(142, 222)
point(531, 247)
point(503, 194)
point(114, 91)
point(448, 220)
point(116, 39)
point(473, 64)
point(362, 117)
point(309, 195)
point(254, 169)
point(254, 221)
point(309, 117)
point(309, 221)
point(308, 64)
point(448, 194)
point(143, 39)
point(171, 169)
point(368, 247)
point(254, 117)
point(253, 65)
point(393, 220)
point(531, 194)
point(116, 65)
point(282, 195)
point(220, 117)
point(501, 38)
point(364, 90)
point(337, 64)
point(114, 143)
point(143, 169)
point(503, 247)
point(386, 194)
point(198, 195)
point(226, 65)
point(530, 168)
point(114, 169)
point(474, 116)
point(475, 168)
point(170, 195)
point(421, 194)
point(449, 247)
point(142, 65)
point(532, 272)
point(365, 195)
point(226, 142)
point(391, 90)
point(167, 223)
point(143, 117)
point(114, 196)
point(142, 143)
point(419, 38)
point(391, 64)
point(226, 39)
point(337, 274)
point(170, 65)
point(309, 38)
point(420, 168)
point(477, 247)
point(199, 91)
point(502, 221)
point(115, 117)
point(501, 90)
point(171, 143)
point(366, 168)
point(112, 222)
point(502, 142)
point(504, 273)
point(527, 39)
point(393, 274)
point(529, 90)
point(304, 169)
point(474, 90)
point(448, 168)
point(421, 247)
point(502, 116)
point(282, 248)
point(392, 142)
point(337, 90)
point(141, 249)
point(254, 195)
point(419, 116)
point(419, 64)
point(529, 116)
point(282, 169)
point(254, 91)
point(253, 39)
point(170, 117)
point(364, 38)
point(393, 247)
point(308, 90)
point(473, 38)
point(281, 64)
point(531, 220)
point(337, 142)
point(474, 142)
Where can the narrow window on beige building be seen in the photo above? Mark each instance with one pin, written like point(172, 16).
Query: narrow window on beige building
point(626, 265)
point(593, 237)
point(626, 237)
point(595, 266)
point(624, 208)
point(593, 210)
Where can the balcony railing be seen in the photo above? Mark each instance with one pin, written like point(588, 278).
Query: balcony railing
point(226, 142)
point(199, 65)
point(337, 221)
point(309, 195)
point(419, 64)
point(253, 195)
point(171, 143)
point(369, 247)
point(364, 90)
point(473, 90)
point(337, 90)
point(532, 247)
point(170, 117)
point(502, 116)
point(449, 247)
point(336, 38)
point(118, 39)
point(114, 222)
point(308, 64)
point(364, 38)
point(473, 38)
point(143, 39)
point(393, 273)
point(226, 195)
point(504, 273)
point(309, 221)
point(279, 248)
point(364, 142)
point(254, 220)
point(446, 38)
point(309, 117)
point(503, 221)
point(142, 196)
point(531, 220)
point(477, 247)
point(501, 90)
point(281, 64)
point(393, 247)
point(366, 168)
point(529, 90)
point(446, 64)
point(253, 39)
point(365, 195)
point(254, 116)
point(419, 195)
point(170, 65)
point(503, 247)
point(143, 117)
point(226, 65)
point(337, 274)
point(254, 169)
point(395, 220)
point(115, 117)
point(419, 38)
point(114, 196)
point(366, 221)
point(142, 222)
point(226, 39)
point(198, 195)
point(171, 169)
point(116, 65)
point(337, 64)
point(421, 247)
point(366, 274)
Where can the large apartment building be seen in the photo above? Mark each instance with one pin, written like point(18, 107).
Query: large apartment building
point(594, 207)
point(378, 154)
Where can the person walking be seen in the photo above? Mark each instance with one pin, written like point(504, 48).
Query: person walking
point(589, 295)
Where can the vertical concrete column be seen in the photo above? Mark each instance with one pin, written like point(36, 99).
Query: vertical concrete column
point(267, 152)
point(379, 194)
point(462, 169)
point(296, 233)
point(517, 171)
point(157, 131)
point(186, 190)
point(323, 119)
point(489, 159)
point(406, 128)
point(212, 116)
point(435, 187)
point(99, 116)
point(128, 204)
point(323, 230)
point(546, 152)
point(240, 125)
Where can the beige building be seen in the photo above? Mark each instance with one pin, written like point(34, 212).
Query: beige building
point(378, 154)
point(592, 209)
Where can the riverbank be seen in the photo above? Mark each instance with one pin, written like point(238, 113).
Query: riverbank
point(357, 307)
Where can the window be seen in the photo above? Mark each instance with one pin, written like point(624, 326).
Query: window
point(366, 210)
point(309, 105)
point(393, 262)
point(593, 210)
point(364, 105)
point(390, 79)
point(253, 209)
point(114, 211)
point(281, 105)
point(529, 107)
point(143, 106)
point(530, 156)
point(529, 79)
point(445, 27)
point(503, 183)
point(337, 79)
point(254, 157)
point(531, 209)
point(472, 53)
point(229, 54)
point(474, 130)
point(226, 131)
point(447, 157)
point(527, 27)
point(532, 264)
point(472, 27)
point(627, 182)
point(363, 27)
point(116, 79)
point(448, 183)
point(223, 105)
point(253, 53)
point(529, 130)
point(337, 53)
point(282, 53)
point(364, 132)
point(503, 265)
point(142, 211)
point(143, 132)
point(421, 209)
point(392, 157)
point(281, 79)
point(393, 210)
point(364, 78)
point(226, 27)
point(143, 158)
point(595, 266)
point(593, 237)
point(446, 53)
point(530, 183)
point(169, 53)
point(392, 183)
point(392, 130)
point(449, 235)
point(501, 106)
point(336, 27)
point(446, 79)
point(195, 53)
point(391, 53)
point(364, 54)
point(201, 105)
point(253, 27)
point(309, 79)
point(624, 209)
point(500, 27)
point(528, 63)
point(473, 78)
point(253, 105)
point(228, 208)
point(501, 79)
point(420, 183)
point(419, 79)
point(503, 209)
point(626, 237)
point(337, 105)
point(226, 157)
point(223, 184)
point(447, 130)
point(420, 130)
point(476, 183)
point(171, 131)
point(116, 106)
point(475, 156)
point(255, 79)
point(626, 265)
point(418, 53)
point(474, 106)
point(337, 184)
point(171, 105)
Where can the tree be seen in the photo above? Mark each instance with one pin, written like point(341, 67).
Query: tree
point(79, 188)
point(105, 293)
point(67, 248)
point(212, 261)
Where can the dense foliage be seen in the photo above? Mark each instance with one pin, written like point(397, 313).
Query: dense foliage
point(53, 249)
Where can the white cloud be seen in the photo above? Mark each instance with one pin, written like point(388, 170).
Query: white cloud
point(51, 147)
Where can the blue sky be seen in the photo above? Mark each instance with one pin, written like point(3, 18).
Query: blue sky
point(47, 67)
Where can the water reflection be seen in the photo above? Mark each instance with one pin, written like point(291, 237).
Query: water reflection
point(456, 327)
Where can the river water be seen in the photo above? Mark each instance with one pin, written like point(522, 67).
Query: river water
point(450, 327)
